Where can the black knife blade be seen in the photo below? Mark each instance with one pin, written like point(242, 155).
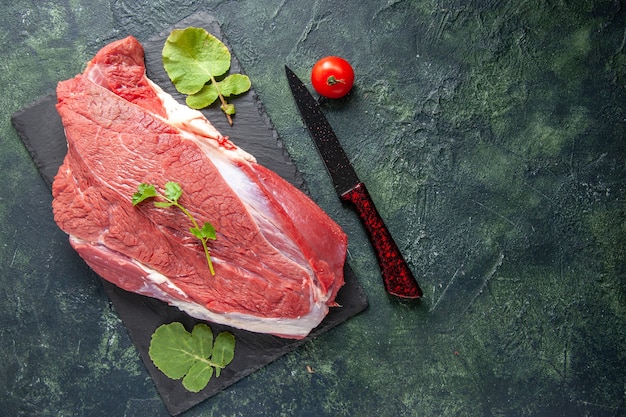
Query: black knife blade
point(397, 276)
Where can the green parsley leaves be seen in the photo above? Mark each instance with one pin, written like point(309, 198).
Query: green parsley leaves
point(195, 61)
point(194, 356)
point(173, 192)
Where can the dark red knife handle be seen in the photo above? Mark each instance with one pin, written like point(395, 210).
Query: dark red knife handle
point(397, 276)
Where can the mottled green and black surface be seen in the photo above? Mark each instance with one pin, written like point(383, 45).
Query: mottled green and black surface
point(491, 135)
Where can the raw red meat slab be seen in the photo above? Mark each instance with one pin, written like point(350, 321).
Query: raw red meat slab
point(278, 257)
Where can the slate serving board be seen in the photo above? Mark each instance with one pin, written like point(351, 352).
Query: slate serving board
point(40, 129)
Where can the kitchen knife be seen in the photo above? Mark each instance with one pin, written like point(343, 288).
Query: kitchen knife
point(397, 276)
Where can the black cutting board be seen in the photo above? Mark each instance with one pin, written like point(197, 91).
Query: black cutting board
point(40, 128)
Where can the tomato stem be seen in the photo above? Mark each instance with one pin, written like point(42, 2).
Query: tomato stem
point(332, 80)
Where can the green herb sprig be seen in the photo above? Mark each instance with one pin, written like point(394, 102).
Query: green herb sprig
point(196, 61)
point(173, 191)
point(192, 356)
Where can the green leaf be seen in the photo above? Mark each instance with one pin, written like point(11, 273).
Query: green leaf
point(144, 191)
point(234, 84)
point(172, 350)
point(203, 339)
point(223, 349)
point(173, 191)
point(192, 56)
point(191, 356)
point(195, 60)
point(207, 231)
point(198, 377)
point(228, 108)
point(203, 98)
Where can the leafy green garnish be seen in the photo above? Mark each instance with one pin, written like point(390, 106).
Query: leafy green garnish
point(194, 60)
point(192, 356)
point(173, 192)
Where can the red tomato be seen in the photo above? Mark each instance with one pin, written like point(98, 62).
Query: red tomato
point(332, 77)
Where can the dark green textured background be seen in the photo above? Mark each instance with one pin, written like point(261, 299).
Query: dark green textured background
point(491, 135)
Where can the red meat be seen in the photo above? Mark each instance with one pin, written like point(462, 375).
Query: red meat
point(278, 257)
